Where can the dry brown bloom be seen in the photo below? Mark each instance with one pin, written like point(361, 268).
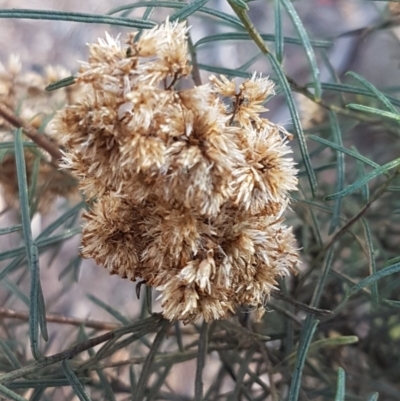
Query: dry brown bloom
point(188, 186)
point(25, 92)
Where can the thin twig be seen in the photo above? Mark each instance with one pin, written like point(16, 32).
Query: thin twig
point(162, 359)
point(357, 217)
point(61, 319)
point(51, 360)
point(147, 365)
point(77, 349)
point(40, 139)
point(300, 305)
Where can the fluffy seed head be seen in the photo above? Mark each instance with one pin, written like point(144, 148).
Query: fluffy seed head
point(188, 186)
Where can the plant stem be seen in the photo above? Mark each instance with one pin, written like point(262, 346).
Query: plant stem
point(60, 319)
point(40, 139)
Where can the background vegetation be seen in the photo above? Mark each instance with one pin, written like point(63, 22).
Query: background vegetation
point(332, 332)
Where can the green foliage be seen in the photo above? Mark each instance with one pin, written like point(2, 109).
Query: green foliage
point(346, 216)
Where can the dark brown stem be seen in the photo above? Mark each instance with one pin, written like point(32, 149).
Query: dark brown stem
point(78, 348)
point(40, 139)
point(60, 319)
point(51, 360)
point(300, 305)
point(174, 79)
point(357, 217)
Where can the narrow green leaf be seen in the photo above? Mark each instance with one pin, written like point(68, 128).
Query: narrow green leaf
point(374, 397)
point(322, 279)
point(392, 261)
point(23, 192)
point(15, 290)
point(352, 89)
point(393, 188)
point(278, 31)
point(172, 4)
point(188, 10)
point(391, 302)
point(147, 366)
point(341, 385)
point(231, 36)
point(43, 382)
point(146, 16)
point(337, 136)
point(31, 249)
point(334, 75)
point(108, 392)
point(76, 385)
point(307, 334)
point(55, 239)
point(348, 152)
point(387, 271)
point(370, 176)
point(10, 395)
point(361, 174)
point(75, 17)
point(32, 195)
point(296, 123)
point(372, 262)
point(251, 61)
point(42, 312)
point(316, 229)
point(179, 338)
point(374, 92)
point(332, 72)
point(148, 299)
point(201, 361)
point(16, 252)
point(373, 110)
point(117, 315)
point(315, 205)
point(132, 380)
point(224, 71)
point(154, 392)
point(37, 394)
point(328, 166)
point(16, 263)
point(74, 265)
point(34, 305)
point(113, 346)
point(62, 83)
point(9, 230)
point(105, 350)
point(6, 351)
point(62, 219)
point(11, 145)
point(306, 45)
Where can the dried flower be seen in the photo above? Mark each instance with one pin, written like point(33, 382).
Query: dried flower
point(188, 192)
point(26, 92)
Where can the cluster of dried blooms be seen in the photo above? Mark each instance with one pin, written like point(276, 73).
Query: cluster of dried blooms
point(24, 93)
point(188, 185)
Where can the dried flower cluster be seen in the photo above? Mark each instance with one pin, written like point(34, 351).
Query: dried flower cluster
point(188, 186)
point(24, 92)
